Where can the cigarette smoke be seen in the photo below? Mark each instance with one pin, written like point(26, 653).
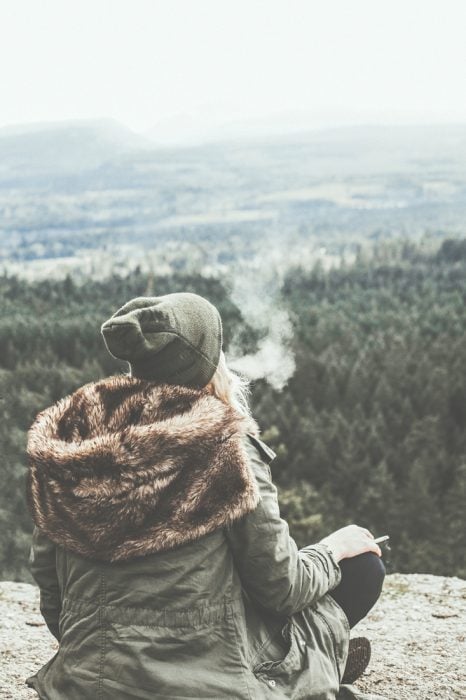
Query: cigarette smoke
point(255, 292)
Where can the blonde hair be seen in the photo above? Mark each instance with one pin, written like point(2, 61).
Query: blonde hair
point(230, 387)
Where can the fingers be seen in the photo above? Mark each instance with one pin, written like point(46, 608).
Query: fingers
point(355, 540)
point(371, 545)
point(374, 548)
point(367, 532)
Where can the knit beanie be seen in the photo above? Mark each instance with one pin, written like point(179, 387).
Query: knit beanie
point(176, 338)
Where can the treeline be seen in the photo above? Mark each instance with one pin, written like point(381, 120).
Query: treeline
point(370, 428)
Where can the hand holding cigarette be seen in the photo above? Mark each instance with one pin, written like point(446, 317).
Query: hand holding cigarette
point(352, 540)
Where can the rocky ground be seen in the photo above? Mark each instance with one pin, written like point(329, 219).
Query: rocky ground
point(417, 630)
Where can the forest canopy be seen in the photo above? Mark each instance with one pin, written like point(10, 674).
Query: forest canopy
point(369, 429)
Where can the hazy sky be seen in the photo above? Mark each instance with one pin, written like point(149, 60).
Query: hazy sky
point(146, 61)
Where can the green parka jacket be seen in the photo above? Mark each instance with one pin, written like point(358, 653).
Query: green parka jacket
point(211, 598)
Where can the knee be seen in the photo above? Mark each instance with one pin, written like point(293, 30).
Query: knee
point(368, 567)
point(381, 566)
point(361, 585)
point(375, 569)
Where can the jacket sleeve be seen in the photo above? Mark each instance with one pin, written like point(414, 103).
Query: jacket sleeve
point(43, 570)
point(273, 571)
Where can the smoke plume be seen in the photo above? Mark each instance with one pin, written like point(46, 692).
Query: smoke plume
point(256, 292)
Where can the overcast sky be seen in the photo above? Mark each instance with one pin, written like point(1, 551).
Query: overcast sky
point(148, 61)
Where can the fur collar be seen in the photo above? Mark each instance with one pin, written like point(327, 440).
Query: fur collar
point(125, 467)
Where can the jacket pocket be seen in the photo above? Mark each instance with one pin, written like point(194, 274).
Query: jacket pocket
point(307, 666)
point(283, 654)
point(334, 655)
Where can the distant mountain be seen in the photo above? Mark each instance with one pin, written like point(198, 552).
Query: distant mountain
point(204, 128)
point(50, 148)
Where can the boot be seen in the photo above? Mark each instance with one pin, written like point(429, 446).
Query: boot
point(359, 654)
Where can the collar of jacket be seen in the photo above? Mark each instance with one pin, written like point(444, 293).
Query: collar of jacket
point(125, 467)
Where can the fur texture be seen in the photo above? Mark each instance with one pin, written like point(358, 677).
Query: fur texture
point(125, 467)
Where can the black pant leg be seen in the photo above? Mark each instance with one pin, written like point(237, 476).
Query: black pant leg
point(360, 585)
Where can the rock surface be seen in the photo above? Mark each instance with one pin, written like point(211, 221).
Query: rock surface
point(417, 631)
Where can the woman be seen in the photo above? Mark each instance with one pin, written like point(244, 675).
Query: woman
point(164, 567)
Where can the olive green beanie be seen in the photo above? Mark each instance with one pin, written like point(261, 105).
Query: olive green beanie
point(175, 338)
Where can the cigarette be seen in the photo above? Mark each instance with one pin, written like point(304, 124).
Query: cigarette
point(384, 538)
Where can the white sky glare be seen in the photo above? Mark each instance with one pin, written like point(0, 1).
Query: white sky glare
point(146, 61)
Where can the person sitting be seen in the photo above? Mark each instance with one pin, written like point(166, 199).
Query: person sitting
point(165, 568)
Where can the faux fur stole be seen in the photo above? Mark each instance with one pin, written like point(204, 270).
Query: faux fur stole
point(125, 467)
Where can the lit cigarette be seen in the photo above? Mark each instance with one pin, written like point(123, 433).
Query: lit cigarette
point(384, 538)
